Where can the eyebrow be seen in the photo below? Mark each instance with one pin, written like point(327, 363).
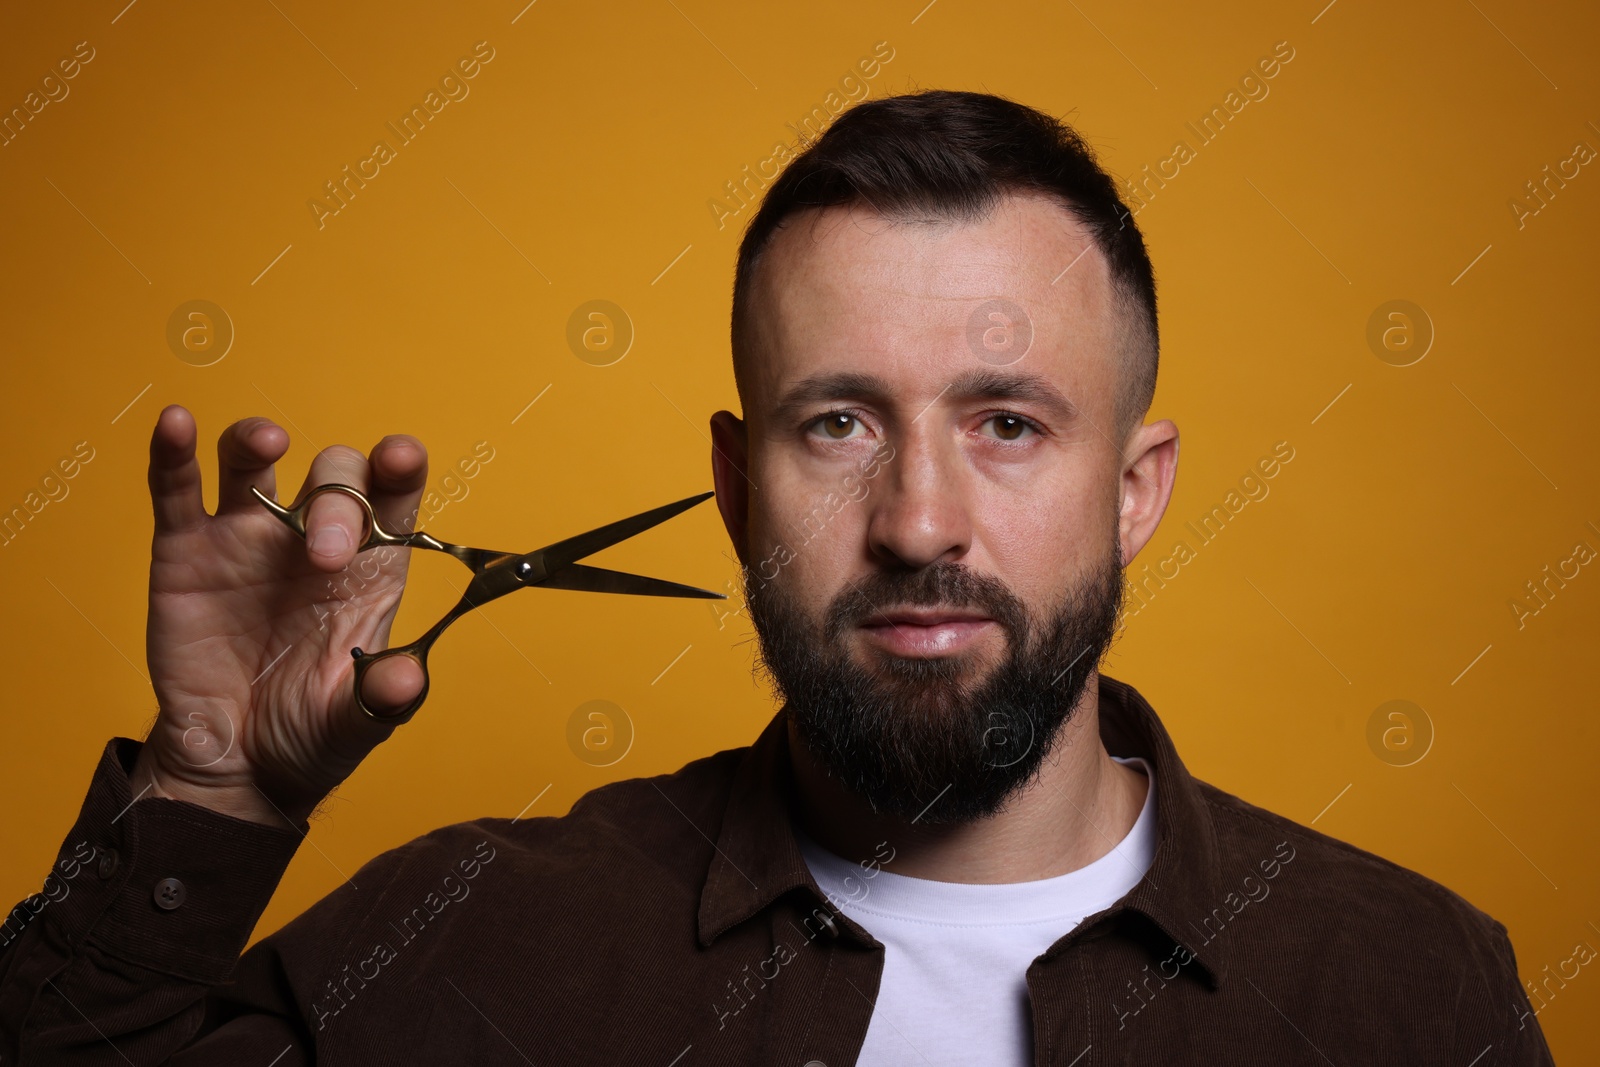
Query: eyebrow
point(977, 384)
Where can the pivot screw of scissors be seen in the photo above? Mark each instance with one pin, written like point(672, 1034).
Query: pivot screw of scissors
point(524, 571)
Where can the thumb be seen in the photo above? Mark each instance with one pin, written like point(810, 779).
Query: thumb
point(389, 687)
point(391, 684)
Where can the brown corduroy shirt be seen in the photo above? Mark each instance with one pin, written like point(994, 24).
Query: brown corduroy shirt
point(671, 921)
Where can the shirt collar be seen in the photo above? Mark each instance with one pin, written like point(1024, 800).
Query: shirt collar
point(757, 859)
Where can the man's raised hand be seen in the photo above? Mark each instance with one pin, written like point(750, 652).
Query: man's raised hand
point(250, 627)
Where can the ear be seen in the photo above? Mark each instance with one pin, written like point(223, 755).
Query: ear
point(1150, 471)
point(729, 462)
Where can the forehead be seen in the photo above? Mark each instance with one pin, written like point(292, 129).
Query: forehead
point(846, 288)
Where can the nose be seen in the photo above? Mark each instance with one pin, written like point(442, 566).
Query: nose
point(919, 515)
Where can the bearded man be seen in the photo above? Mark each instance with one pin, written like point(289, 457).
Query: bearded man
point(955, 842)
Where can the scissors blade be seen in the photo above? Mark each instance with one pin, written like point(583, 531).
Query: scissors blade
point(599, 580)
point(559, 555)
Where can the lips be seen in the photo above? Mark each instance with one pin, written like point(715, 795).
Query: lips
point(921, 633)
point(923, 617)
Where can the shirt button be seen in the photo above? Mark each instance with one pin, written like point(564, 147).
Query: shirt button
point(108, 862)
point(169, 893)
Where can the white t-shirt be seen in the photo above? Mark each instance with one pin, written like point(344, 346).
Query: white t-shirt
point(954, 987)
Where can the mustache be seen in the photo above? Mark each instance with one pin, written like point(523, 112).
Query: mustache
point(945, 584)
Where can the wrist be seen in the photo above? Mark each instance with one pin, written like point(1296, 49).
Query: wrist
point(246, 802)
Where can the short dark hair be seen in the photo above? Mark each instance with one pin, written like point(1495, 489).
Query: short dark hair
point(948, 154)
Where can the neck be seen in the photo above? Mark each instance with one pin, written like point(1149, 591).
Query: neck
point(1080, 805)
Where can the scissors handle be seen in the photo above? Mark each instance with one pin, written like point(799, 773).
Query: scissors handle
point(417, 652)
point(295, 519)
point(364, 662)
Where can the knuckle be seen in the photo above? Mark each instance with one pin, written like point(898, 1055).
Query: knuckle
point(236, 439)
point(232, 438)
point(349, 464)
point(401, 460)
point(242, 449)
point(400, 450)
point(341, 452)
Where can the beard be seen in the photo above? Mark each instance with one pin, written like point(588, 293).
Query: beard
point(914, 737)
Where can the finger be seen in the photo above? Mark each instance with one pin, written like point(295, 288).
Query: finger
point(391, 684)
point(246, 452)
point(174, 472)
point(398, 468)
point(335, 522)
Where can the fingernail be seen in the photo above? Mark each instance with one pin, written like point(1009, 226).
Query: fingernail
point(330, 540)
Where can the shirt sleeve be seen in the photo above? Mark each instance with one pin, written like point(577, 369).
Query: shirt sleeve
point(1516, 1039)
point(128, 952)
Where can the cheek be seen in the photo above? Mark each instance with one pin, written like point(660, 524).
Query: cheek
point(1037, 542)
point(1027, 554)
point(815, 542)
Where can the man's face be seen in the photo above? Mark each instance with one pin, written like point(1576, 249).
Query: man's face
point(931, 492)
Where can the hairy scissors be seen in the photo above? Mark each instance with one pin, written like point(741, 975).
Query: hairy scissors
point(494, 574)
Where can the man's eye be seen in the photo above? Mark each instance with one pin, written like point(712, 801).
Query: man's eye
point(1011, 427)
point(837, 426)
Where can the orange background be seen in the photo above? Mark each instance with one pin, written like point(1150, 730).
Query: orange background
point(581, 166)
